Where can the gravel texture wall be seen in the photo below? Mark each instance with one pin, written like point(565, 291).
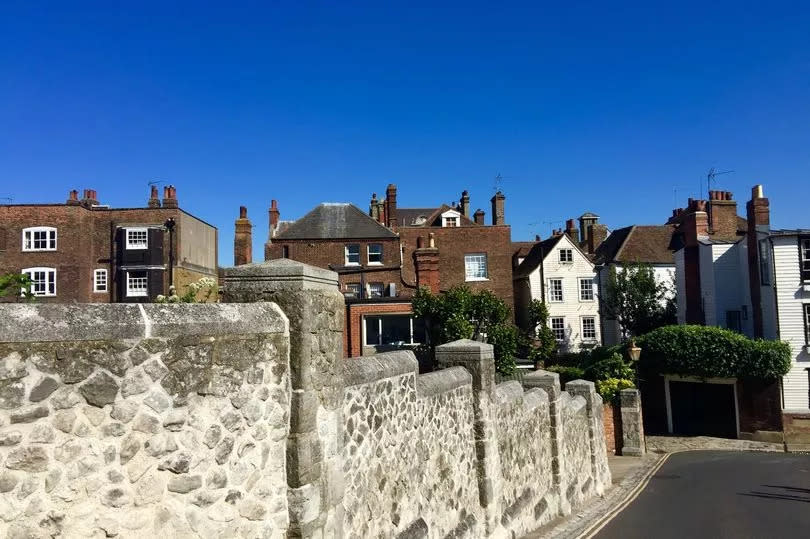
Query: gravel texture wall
point(132, 421)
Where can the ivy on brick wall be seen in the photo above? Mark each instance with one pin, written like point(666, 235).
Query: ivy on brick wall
point(712, 352)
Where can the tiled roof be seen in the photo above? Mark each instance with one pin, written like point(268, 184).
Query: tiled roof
point(653, 244)
point(412, 216)
point(536, 255)
point(335, 221)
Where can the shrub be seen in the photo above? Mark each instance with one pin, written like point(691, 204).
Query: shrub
point(567, 373)
point(712, 352)
point(609, 388)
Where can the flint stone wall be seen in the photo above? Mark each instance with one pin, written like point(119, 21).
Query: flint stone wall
point(126, 420)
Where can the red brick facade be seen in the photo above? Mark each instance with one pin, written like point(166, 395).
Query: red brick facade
point(355, 312)
point(86, 241)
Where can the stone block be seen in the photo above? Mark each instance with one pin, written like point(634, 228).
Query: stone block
point(100, 389)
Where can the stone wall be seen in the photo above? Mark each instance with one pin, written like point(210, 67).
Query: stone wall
point(143, 420)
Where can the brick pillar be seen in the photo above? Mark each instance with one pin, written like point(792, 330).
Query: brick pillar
point(758, 214)
point(633, 444)
point(391, 205)
point(243, 239)
point(479, 359)
point(310, 298)
point(695, 227)
point(596, 431)
point(550, 383)
point(426, 262)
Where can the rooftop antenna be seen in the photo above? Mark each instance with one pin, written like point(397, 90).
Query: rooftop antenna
point(711, 177)
point(156, 182)
point(498, 180)
point(10, 200)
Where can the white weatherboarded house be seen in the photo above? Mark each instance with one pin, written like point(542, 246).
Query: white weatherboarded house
point(559, 273)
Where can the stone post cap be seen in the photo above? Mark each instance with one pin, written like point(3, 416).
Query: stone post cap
point(630, 398)
point(467, 346)
point(582, 388)
point(547, 380)
point(279, 273)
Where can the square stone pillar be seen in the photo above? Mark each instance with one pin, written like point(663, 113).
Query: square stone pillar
point(550, 383)
point(311, 299)
point(633, 444)
point(479, 359)
point(600, 471)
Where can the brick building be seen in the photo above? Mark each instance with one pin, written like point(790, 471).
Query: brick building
point(84, 251)
point(382, 257)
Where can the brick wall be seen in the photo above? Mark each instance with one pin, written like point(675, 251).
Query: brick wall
point(612, 419)
point(353, 335)
point(85, 240)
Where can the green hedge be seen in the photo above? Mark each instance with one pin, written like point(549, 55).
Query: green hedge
point(712, 352)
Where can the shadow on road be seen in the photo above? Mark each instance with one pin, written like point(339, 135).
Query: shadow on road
point(792, 494)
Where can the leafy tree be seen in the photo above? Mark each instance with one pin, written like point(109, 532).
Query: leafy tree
point(542, 345)
point(16, 284)
point(461, 313)
point(637, 301)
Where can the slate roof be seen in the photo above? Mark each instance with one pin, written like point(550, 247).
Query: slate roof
point(334, 221)
point(408, 216)
point(536, 255)
point(654, 244)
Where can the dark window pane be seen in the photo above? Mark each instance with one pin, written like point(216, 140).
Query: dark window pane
point(396, 329)
point(372, 330)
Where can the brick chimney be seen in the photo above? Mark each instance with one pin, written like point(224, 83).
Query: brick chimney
point(722, 214)
point(498, 202)
point(758, 214)
point(391, 205)
point(478, 216)
point(243, 239)
point(170, 197)
point(426, 262)
point(597, 233)
point(90, 198)
point(586, 220)
point(154, 200)
point(571, 231)
point(465, 204)
point(695, 227)
point(73, 198)
point(275, 215)
point(374, 208)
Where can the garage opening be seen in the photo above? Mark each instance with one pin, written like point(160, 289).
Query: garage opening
point(702, 408)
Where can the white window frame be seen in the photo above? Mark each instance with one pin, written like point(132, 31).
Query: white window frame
point(369, 253)
point(372, 294)
point(98, 276)
point(29, 241)
point(582, 328)
point(570, 257)
point(553, 329)
point(354, 290)
point(451, 219)
point(472, 266)
point(137, 293)
point(551, 298)
point(346, 254)
point(580, 280)
point(806, 309)
point(136, 245)
point(50, 278)
point(804, 258)
point(379, 328)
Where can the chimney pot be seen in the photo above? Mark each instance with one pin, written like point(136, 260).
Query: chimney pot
point(432, 240)
point(419, 242)
point(242, 212)
point(757, 192)
point(537, 237)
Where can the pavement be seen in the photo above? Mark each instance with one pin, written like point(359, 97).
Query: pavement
point(720, 494)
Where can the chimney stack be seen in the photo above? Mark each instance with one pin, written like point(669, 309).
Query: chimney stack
point(426, 262)
point(586, 220)
point(154, 200)
point(758, 214)
point(465, 204)
point(275, 215)
point(243, 239)
point(722, 214)
point(391, 205)
point(73, 198)
point(374, 208)
point(170, 197)
point(571, 231)
point(478, 216)
point(90, 198)
point(498, 203)
point(597, 233)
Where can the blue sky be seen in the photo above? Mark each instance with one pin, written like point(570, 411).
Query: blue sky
point(603, 107)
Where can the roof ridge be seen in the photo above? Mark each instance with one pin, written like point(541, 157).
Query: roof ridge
point(626, 238)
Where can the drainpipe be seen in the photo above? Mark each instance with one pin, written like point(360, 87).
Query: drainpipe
point(169, 224)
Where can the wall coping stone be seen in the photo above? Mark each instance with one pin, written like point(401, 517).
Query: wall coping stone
point(53, 322)
point(370, 369)
point(438, 382)
point(534, 398)
point(507, 392)
point(281, 273)
point(575, 404)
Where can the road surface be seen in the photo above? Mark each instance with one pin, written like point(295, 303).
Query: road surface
point(720, 494)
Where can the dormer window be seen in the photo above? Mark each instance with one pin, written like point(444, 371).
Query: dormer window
point(137, 238)
point(451, 219)
point(566, 256)
point(39, 238)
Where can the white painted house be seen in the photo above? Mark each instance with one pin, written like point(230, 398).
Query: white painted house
point(790, 255)
point(558, 272)
point(649, 244)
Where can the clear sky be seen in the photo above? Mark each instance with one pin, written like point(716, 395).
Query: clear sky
point(581, 106)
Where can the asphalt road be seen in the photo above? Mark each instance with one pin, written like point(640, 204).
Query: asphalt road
point(720, 494)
